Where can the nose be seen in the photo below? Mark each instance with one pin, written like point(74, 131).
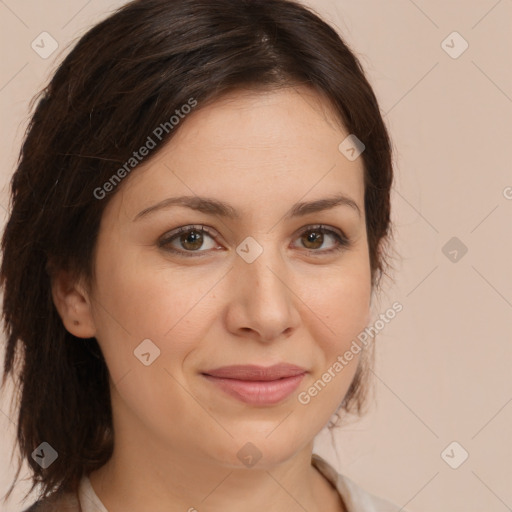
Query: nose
point(262, 303)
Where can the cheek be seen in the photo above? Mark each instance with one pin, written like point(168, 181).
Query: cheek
point(135, 305)
point(136, 302)
point(345, 311)
point(341, 314)
point(340, 301)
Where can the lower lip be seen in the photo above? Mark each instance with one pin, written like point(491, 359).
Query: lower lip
point(258, 392)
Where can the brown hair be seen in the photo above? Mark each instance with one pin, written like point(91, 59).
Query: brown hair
point(124, 77)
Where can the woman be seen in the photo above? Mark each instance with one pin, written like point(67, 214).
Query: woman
point(199, 219)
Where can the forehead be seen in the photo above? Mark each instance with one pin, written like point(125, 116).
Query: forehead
point(253, 147)
point(278, 120)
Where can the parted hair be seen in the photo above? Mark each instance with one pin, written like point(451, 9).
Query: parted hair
point(127, 75)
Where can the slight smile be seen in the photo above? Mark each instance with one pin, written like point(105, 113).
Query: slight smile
point(257, 385)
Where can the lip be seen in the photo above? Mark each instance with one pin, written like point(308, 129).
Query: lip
point(254, 372)
point(257, 385)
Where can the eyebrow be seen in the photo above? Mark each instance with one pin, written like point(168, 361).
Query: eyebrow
point(215, 207)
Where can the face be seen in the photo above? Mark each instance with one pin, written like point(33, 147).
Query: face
point(254, 283)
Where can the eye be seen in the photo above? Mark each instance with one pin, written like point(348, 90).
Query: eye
point(314, 237)
point(190, 240)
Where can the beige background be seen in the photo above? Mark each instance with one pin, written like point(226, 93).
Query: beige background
point(443, 364)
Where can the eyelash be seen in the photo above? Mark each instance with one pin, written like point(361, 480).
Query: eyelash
point(341, 242)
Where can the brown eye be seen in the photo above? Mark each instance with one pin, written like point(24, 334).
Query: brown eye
point(314, 238)
point(188, 240)
point(192, 240)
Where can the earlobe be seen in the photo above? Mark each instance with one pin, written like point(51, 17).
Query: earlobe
point(73, 305)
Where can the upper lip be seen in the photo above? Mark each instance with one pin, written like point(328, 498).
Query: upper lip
point(254, 372)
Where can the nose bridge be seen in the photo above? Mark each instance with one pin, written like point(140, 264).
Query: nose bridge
point(267, 273)
point(263, 289)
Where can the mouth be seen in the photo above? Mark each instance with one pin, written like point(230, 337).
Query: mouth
point(257, 385)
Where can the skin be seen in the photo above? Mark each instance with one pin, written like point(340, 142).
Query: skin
point(177, 435)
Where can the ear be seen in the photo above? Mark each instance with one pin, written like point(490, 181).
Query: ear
point(73, 304)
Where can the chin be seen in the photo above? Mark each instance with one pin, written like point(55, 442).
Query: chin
point(259, 450)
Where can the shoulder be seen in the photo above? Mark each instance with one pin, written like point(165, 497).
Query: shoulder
point(355, 497)
point(65, 502)
point(364, 501)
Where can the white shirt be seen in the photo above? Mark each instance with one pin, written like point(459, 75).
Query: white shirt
point(355, 498)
